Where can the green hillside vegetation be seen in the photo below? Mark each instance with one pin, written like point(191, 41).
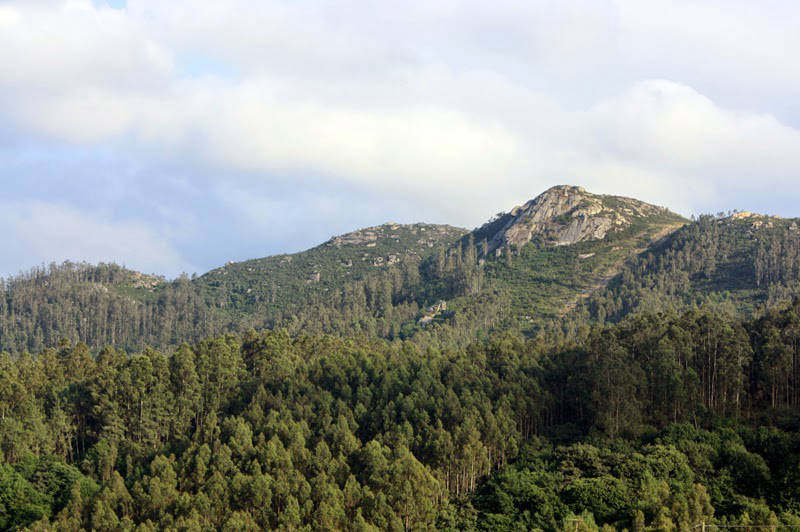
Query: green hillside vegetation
point(542, 282)
point(743, 262)
point(381, 281)
point(663, 421)
point(545, 282)
point(282, 284)
point(111, 305)
point(418, 377)
point(99, 305)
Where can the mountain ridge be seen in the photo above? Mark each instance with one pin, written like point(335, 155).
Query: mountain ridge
point(563, 258)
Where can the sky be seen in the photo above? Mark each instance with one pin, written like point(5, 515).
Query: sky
point(174, 136)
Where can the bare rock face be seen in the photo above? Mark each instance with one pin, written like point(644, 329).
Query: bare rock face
point(365, 236)
point(564, 215)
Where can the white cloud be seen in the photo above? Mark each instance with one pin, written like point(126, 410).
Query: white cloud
point(253, 131)
point(743, 51)
point(54, 49)
point(9, 17)
point(460, 108)
point(672, 125)
point(680, 148)
point(91, 75)
point(38, 232)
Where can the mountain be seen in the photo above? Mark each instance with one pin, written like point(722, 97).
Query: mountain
point(520, 270)
point(565, 215)
point(563, 259)
point(111, 305)
point(392, 386)
point(559, 248)
point(284, 283)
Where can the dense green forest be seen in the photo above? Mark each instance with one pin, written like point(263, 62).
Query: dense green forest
point(418, 377)
point(662, 421)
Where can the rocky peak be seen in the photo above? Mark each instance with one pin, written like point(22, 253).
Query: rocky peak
point(564, 215)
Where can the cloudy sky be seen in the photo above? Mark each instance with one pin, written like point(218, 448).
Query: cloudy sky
point(175, 135)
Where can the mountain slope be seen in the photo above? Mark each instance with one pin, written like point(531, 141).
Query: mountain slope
point(283, 283)
point(564, 215)
point(744, 262)
point(110, 305)
point(563, 259)
point(99, 305)
point(557, 248)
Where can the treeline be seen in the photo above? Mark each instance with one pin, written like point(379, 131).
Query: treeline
point(100, 305)
point(663, 421)
point(110, 305)
point(744, 265)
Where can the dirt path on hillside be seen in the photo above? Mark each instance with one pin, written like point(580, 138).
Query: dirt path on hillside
point(615, 269)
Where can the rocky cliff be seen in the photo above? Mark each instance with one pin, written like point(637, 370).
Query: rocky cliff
point(564, 215)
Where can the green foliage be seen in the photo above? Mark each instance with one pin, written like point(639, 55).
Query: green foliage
point(38, 488)
point(20, 503)
point(652, 406)
point(366, 282)
point(742, 264)
point(661, 421)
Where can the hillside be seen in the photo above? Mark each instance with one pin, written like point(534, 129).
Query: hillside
point(549, 254)
point(742, 262)
point(99, 305)
point(111, 305)
point(559, 261)
point(283, 284)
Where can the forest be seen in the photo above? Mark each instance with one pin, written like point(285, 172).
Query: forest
point(662, 421)
point(321, 266)
point(107, 304)
point(630, 383)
